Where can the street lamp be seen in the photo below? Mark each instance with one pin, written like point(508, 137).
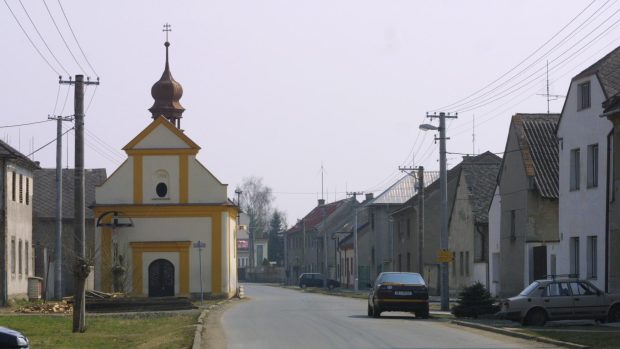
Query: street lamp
point(443, 191)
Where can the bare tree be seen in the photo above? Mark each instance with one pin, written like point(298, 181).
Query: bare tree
point(256, 201)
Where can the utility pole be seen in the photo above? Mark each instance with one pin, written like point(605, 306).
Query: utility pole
point(443, 189)
point(419, 185)
point(58, 226)
point(355, 254)
point(81, 267)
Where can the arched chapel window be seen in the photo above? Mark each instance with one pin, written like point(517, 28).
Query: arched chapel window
point(161, 183)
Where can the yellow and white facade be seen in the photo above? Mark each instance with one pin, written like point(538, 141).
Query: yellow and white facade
point(167, 201)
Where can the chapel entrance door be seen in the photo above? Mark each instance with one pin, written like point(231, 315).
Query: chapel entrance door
point(161, 278)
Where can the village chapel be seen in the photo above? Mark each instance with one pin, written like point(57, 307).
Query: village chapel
point(162, 218)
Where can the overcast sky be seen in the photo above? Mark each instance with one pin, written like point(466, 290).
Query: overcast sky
point(274, 89)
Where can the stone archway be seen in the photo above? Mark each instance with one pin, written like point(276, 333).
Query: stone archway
point(161, 278)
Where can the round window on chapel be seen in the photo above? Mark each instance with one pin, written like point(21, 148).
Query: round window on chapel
point(162, 190)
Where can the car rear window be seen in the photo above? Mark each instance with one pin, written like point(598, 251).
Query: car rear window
point(404, 278)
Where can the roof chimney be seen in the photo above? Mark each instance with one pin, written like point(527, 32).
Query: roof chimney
point(369, 196)
point(321, 202)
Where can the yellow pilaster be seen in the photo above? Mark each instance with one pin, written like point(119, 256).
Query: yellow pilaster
point(137, 282)
point(183, 179)
point(137, 179)
point(106, 259)
point(216, 255)
point(184, 272)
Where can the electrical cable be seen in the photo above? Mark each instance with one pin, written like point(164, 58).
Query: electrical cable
point(26, 124)
point(62, 37)
point(48, 143)
point(30, 40)
point(41, 37)
point(75, 37)
point(459, 102)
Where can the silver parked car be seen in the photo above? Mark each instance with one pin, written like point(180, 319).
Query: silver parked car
point(561, 299)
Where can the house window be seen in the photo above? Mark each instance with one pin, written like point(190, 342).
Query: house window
point(467, 263)
point(408, 227)
point(13, 185)
point(592, 257)
point(461, 264)
point(583, 96)
point(574, 256)
point(13, 255)
point(593, 166)
point(26, 255)
point(408, 261)
point(513, 225)
point(21, 188)
point(19, 257)
point(574, 169)
point(372, 220)
point(27, 191)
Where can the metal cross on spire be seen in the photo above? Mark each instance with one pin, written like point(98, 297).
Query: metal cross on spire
point(167, 29)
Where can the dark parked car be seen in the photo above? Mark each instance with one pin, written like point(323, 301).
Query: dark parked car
point(398, 292)
point(12, 339)
point(561, 299)
point(316, 280)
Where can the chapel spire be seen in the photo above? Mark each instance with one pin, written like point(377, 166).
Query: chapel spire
point(167, 92)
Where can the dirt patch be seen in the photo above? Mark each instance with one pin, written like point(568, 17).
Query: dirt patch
point(213, 335)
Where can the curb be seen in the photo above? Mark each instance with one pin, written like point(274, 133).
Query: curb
point(198, 332)
point(519, 335)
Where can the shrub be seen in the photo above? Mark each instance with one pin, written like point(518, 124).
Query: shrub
point(474, 301)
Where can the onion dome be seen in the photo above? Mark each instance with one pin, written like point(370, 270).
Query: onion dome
point(167, 92)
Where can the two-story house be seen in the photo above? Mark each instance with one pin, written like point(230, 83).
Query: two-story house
point(584, 141)
point(16, 250)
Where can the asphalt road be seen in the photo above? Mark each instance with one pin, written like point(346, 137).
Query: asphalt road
point(274, 317)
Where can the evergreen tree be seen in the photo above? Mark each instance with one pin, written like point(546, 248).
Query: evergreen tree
point(473, 301)
point(276, 238)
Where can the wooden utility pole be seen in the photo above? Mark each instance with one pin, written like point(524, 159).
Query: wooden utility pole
point(419, 185)
point(58, 224)
point(81, 266)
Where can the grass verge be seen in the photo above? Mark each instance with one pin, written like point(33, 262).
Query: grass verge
point(601, 338)
point(144, 330)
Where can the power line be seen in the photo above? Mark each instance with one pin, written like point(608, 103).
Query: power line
point(64, 104)
point(76, 40)
point(48, 143)
point(30, 40)
point(91, 98)
point(25, 124)
point(461, 102)
point(62, 37)
point(480, 101)
point(41, 37)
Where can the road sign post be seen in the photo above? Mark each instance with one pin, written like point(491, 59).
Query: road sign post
point(200, 245)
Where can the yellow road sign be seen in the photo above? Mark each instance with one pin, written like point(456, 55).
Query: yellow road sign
point(445, 256)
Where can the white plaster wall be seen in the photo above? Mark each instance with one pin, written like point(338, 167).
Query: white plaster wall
point(172, 229)
point(495, 215)
point(150, 257)
point(150, 165)
point(161, 137)
point(18, 226)
point(582, 212)
point(480, 273)
point(118, 188)
point(205, 188)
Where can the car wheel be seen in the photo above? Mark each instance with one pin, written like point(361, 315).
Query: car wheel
point(536, 317)
point(614, 314)
point(369, 311)
point(376, 312)
point(421, 314)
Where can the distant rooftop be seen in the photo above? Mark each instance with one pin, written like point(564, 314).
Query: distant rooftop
point(404, 189)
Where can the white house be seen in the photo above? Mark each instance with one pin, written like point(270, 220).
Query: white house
point(16, 231)
point(583, 137)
